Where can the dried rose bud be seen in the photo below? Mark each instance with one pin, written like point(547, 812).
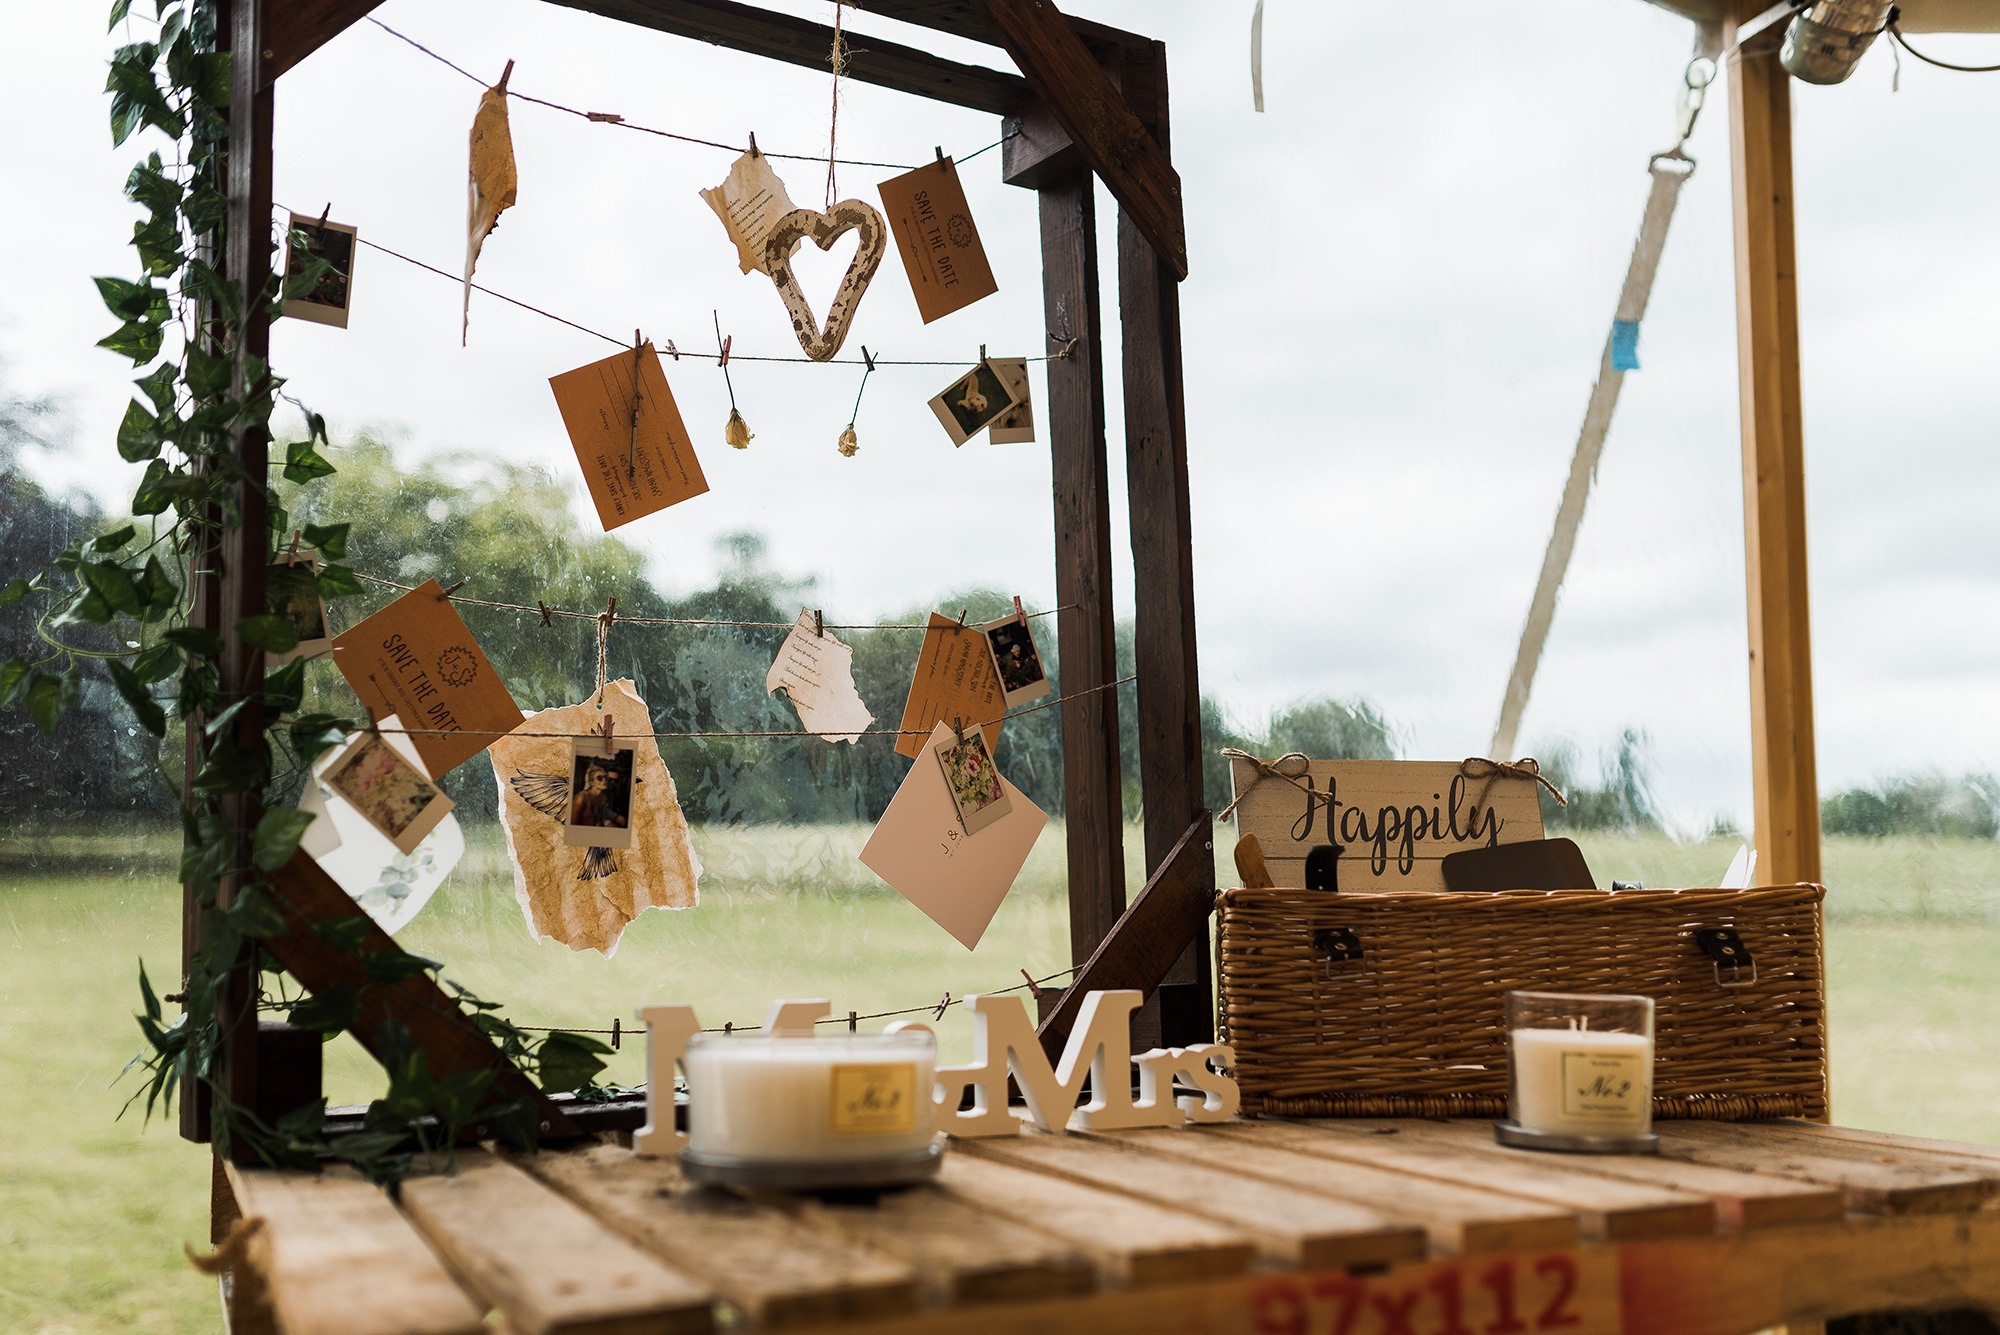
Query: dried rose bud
point(848, 443)
point(737, 433)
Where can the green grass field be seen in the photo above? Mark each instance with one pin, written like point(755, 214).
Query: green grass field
point(93, 1209)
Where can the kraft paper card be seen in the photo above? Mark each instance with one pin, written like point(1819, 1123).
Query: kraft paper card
point(1016, 426)
point(923, 852)
point(416, 659)
point(630, 476)
point(388, 886)
point(585, 896)
point(750, 201)
point(954, 680)
point(816, 672)
point(936, 237)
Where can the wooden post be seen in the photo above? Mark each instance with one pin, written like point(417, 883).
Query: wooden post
point(1774, 502)
point(1169, 691)
point(1093, 799)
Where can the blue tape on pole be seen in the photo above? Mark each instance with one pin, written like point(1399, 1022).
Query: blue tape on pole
point(1624, 345)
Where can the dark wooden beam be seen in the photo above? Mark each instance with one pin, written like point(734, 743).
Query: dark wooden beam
point(1091, 111)
point(306, 895)
point(1093, 799)
point(295, 30)
point(1156, 476)
point(800, 42)
point(964, 18)
point(1169, 913)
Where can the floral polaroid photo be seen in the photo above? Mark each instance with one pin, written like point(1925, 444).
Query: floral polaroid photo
point(1016, 659)
point(971, 401)
point(291, 590)
point(387, 790)
point(600, 796)
point(974, 781)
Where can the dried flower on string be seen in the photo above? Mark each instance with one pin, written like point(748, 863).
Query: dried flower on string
point(737, 433)
point(848, 441)
point(490, 182)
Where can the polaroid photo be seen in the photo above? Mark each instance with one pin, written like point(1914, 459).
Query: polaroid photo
point(333, 242)
point(1016, 660)
point(291, 590)
point(1017, 425)
point(971, 402)
point(387, 791)
point(973, 780)
point(600, 795)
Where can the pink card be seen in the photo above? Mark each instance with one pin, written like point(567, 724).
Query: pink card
point(923, 852)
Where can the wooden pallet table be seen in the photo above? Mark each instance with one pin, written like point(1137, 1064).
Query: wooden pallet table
point(1391, 1227)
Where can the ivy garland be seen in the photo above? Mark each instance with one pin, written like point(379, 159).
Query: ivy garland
point(190, 319)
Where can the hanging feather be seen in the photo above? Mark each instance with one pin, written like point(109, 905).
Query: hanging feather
point(490, 182)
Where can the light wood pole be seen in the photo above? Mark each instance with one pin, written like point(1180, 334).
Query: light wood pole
point(1774, 502)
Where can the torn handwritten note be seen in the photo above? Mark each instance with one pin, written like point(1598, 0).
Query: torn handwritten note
point(750, 201)
point(922, 850)
point(817, 672)
point(585, 896)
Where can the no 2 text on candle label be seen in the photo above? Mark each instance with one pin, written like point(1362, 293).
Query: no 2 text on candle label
point(872, 1100)
point(1603, 1084)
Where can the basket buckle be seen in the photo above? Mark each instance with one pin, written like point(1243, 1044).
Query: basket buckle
point(1724, 947)
point(1339, 944)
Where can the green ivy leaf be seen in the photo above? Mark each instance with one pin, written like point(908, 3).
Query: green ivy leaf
point(285, 687)
point(207, 377)
point(303, 463)
point(364, 1146)
point(156, 489)
point(14, 677)
point(394, 965)
point(304, 1122)
point(158, 593)
point(157, 663)
point(196, 640)
point(130, 301)
point(337, 581)
point(204, 208)
point(272, 634)
point(313, 735)
point(329, 540)
point(88, 606)
point(146, 991)
point(410, 1090)
point(138, 434)
point(144, 707)
point(150, 186)
point(206, 847)
point(331, 1008)
point(158, 242)
point(569, 1061)
point(134, 339)
point(16, 590)
point(253, 912)
point(118, 9)
point(344, 934)
point(112, 541)
point(225, 718)
point(277, 837)
point(229, 769)
point(170, 28)
point(159, 387)
point(45, 700)
point(113, 583)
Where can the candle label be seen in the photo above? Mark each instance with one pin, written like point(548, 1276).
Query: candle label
point(873, 1099)
point(1604, 1084)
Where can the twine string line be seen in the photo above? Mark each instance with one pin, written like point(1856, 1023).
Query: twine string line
point(1479, 767)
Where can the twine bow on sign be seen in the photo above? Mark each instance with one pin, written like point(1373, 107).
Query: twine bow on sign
point(1479, 767)
point(1269, 768)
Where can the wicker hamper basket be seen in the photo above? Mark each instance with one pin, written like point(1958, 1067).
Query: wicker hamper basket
point(1415, 1027)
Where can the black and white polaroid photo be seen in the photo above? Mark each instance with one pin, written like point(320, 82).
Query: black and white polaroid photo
point(327, 301)
point(974, 781)
point(1016, 426)
point(291, 591)
point(971, 402)
point(387, 790)
point(600, 795)
point(1016, 660)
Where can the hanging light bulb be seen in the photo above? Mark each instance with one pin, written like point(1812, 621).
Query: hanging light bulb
point(1826, 42)
point(849, 443)
point(737, 433)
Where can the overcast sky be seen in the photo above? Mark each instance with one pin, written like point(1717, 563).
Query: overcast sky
point(1400, 278)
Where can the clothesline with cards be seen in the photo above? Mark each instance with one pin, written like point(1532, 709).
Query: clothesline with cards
point(609, 118)
point(611, 614)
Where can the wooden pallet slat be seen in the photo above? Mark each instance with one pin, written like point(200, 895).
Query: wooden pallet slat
point(1920, 1145)
point(339, 1260)
point(1742, 1200)
point(1872, 1183)
point(1607, 1210)
point(1290, 1226)
point(1133, 1243)
point(547, 1265)
point(1459, 1219)
point(775, 1270)
point(961, 1253)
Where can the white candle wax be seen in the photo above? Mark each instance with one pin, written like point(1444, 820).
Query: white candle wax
point(861, 1096)
point(1583, 1082)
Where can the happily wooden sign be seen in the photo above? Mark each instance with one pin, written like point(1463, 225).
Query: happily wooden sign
point(1395, 819)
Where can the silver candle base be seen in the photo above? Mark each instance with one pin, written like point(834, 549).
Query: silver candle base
point(899, 1170)
point(1562, 1142)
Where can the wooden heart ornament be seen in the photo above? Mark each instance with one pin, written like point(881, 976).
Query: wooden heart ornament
point(823, 229)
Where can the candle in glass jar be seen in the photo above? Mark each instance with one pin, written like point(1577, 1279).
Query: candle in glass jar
point(795, 1099)
point(1583, 1082)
